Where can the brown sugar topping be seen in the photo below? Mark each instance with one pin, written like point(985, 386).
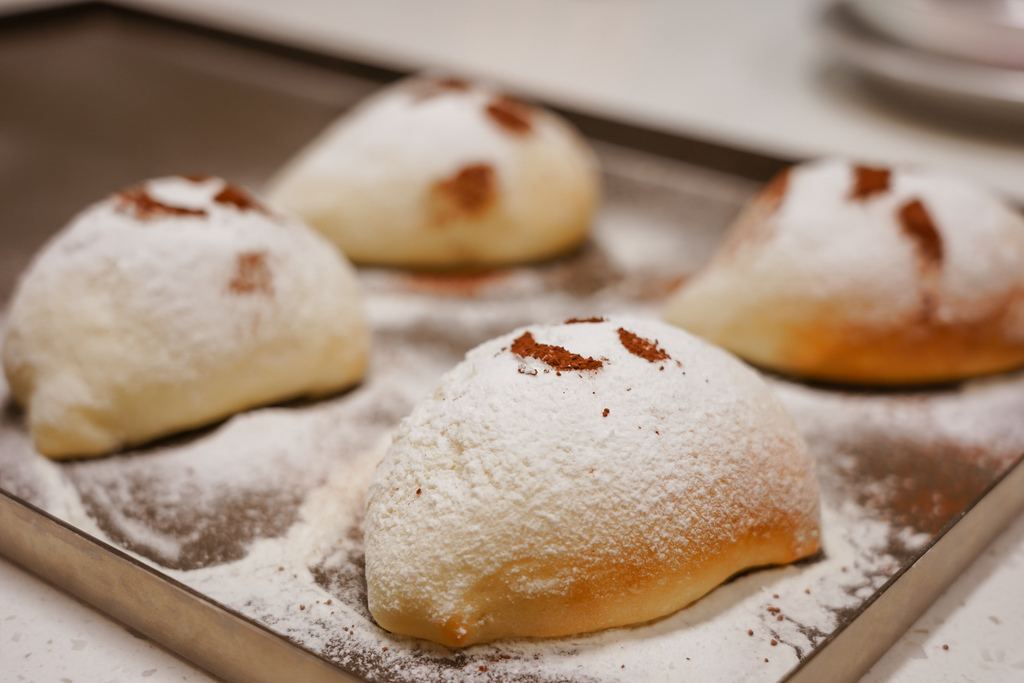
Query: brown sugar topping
point(573, 321)
point(643, 348)
point(918, 225)
point(252, 275)
point(235, 196)
point(144, 206)
point(869, 181)
point(555, 356)
point(510, 114)
point(470, 192)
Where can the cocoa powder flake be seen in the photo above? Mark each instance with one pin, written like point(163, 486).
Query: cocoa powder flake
point(430, 88)
point(235, 196)
point(643, 348)
point(457, 84)
point(510, 114)
point(252, 275)
point(468, 193)
point(144, 206)
point(555, 356)
point(869, 181)
point(776, 188)
point(918, 225)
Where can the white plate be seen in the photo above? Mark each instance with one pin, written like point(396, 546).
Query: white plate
point(987, 31)
point(956, 82)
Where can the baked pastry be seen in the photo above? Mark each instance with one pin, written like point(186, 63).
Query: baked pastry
point(574, 477)
point(172, 305)
point(866, 275)
point(441, 173)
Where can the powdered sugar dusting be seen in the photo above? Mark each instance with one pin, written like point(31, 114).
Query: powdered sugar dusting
point(530, 466)
point(820, 245)
point(292, 478)
point(173, 309)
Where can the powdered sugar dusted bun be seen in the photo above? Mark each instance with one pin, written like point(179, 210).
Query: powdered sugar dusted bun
point(858, 274)
point(443, 173)
point(172, 305)
point(569, 478)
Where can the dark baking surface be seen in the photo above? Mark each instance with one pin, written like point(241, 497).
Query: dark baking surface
point(97, 97)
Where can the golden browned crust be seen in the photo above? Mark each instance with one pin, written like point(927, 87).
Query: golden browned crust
point(920, 351)
point(820, 343)
point(792, 317)
point(634, 585)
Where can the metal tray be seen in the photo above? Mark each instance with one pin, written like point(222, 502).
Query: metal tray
point(170, 541)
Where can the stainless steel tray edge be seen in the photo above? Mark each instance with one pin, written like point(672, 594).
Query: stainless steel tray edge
point(160, 608)
point(909, 592)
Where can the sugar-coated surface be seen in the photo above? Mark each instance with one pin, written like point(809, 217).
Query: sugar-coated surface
point(362, 146)
point(822, 245)
point(513, 461)
point(443, 172)
point(176, 283)
point(843, 272)
point(155, 254)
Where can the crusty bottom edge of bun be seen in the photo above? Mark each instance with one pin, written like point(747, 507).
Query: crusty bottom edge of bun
point(916, 355)
point(605, 606)
point(916, 351)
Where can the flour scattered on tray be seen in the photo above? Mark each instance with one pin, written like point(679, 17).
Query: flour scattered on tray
point(263, 513)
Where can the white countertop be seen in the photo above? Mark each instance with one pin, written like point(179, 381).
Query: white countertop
point(742, 72)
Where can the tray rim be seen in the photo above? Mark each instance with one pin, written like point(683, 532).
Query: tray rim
point(19, 518)
point(86, 558)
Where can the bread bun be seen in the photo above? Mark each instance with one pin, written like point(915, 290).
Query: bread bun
point(439, 173)
point(172, 305)
point(864, 275)
point(575, 477)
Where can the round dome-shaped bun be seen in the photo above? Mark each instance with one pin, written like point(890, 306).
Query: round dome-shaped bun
point(441, 173)
point(172, 305)
point(866, 275)
point(575, 477)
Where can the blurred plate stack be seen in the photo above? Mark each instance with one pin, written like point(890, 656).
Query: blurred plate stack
point(967, 54)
